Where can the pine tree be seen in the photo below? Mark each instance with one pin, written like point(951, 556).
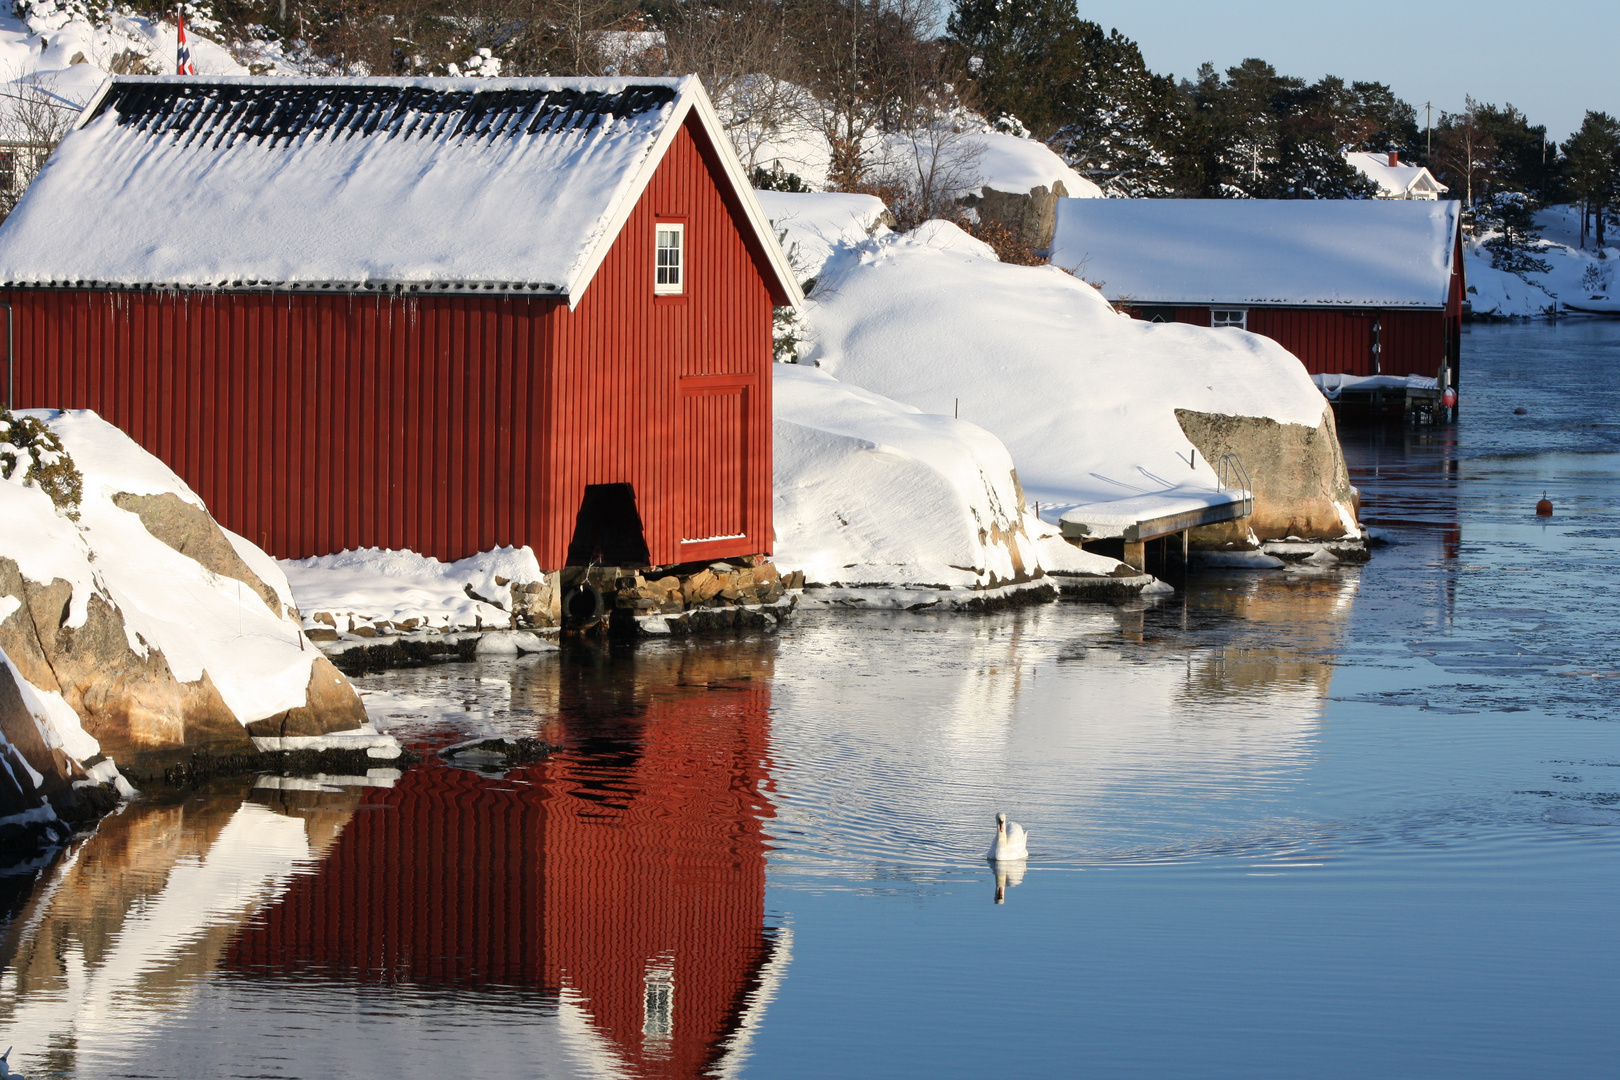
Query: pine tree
point(1510, 216)
point(1125, 122)
point(1025, 58)
point(1592, 169)
point(1085, 91)
point(1263, 135)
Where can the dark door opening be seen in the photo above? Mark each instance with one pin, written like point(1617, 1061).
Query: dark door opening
point(607, 530)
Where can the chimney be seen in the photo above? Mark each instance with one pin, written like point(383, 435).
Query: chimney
point(1394, 158)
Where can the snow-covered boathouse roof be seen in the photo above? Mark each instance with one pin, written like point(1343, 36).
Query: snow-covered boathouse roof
point(1262, 252)
point(455, 186)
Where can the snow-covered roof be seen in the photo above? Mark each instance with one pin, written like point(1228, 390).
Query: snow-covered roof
point(1260, 252)
point(1398, 180)
point(454, 185)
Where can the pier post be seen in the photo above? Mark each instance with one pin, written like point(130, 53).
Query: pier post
point(1136, 555)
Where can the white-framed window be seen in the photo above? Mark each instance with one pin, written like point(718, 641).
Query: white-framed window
point(1237, 317)
point(670, 270)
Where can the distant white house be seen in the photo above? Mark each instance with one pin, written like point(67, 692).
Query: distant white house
point(1396, 180)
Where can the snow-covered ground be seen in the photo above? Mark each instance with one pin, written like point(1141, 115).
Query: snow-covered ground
point(401, 590)
point(813, 226)
point(1576, 278)
point(1083, 397)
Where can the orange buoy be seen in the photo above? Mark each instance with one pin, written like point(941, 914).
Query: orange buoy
point(1544, 507)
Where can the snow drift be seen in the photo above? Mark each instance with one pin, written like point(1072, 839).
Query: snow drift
point(388, 591)
point(1085, 398)
point(873, 494)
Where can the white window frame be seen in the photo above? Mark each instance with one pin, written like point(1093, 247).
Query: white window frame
point(662, 286)
point(1224, 317)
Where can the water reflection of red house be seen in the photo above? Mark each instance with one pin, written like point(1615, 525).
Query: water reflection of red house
point(626, 872)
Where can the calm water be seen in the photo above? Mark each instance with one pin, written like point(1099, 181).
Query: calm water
point(1343, 822)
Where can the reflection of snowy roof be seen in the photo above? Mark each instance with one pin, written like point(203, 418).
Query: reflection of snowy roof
point(1247, 252)
point(503, 185)
point(1397, 179)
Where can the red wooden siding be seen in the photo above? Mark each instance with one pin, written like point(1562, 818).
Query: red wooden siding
point(642, 855)
point(1339, 341)
point(1414, 342)
point(1326, 341)
point(450, 425)
point(310, 424)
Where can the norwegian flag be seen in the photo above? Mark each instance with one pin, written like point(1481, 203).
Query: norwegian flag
point(183, 64)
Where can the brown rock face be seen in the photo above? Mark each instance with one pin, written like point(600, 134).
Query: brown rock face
point(190, 531)
point(1298, 475)
point(330, 704)
point(1030, 218)
point(132, 704)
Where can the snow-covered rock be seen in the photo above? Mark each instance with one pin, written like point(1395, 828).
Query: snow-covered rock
point(142, 631)
point(811, 226)
point(993, 159)
point(1085, 398)
point(1499, 294)
point(773, 125)
point(875, 495)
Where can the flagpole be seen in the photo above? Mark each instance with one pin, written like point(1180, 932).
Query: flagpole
point(182, 50)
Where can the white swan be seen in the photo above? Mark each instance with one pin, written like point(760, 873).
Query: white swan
point(5, 1069)
point(1011, 842)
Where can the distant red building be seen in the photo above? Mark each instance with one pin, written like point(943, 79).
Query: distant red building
point(623, 877)
point(434, 314)
point(1351, 287)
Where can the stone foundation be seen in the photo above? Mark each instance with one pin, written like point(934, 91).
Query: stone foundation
point(699, 597)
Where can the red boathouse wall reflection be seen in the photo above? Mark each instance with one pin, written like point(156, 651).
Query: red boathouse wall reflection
point(626, 871)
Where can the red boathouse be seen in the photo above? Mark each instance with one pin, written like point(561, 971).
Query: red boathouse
point(437, 314)
point(1351, 287)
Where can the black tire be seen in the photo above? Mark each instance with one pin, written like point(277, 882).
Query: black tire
point(582, 604)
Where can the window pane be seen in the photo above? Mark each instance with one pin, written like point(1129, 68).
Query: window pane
point(667, 266)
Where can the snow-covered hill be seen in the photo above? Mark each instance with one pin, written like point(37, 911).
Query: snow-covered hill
point(1576, 278)
point(1085, 398)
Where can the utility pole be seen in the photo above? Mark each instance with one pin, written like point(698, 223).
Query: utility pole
point(1428, 125)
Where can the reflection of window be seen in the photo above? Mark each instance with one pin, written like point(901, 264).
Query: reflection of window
point(658, 1017)
point(671, 259)
point(8, 170)
point(1229, 317)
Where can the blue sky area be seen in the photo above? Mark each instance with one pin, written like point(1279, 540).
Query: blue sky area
point(1554, 59)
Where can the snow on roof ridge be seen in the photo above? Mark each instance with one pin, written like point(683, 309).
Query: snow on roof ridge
point(540, 82)
point(246, 191)
point(179, 209)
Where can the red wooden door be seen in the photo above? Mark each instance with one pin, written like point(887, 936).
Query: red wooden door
point(714, 442)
